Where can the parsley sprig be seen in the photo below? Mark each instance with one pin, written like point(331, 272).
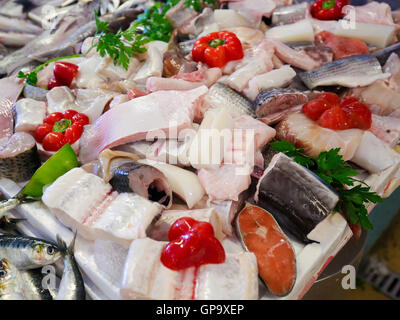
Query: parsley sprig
point(331, 167)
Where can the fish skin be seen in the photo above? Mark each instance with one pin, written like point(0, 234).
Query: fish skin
point(27, 252)
point(363, 70)
point(72, 286)
point(311, 199)
point(33, 285)
point(8, 24)
point(274, 100)
point(11, 284)
point(222, 95)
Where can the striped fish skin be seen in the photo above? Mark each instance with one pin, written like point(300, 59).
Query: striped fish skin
point(360, 70)
point(21, 167)
point(28, 253)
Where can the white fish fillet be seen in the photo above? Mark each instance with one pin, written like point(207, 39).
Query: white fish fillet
point(145, 277)
point(373, 154)
point(155, 113)
point(60, 99)
point(84, 202)
point(386, 128)
point(306, 133)
point(29, 114)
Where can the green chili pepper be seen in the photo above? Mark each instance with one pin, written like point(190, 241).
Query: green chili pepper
point(58, 164)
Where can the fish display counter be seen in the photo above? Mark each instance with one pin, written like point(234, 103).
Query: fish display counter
point(191, 150)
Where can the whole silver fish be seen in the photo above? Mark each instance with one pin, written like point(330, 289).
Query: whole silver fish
point(32, 283)
point(356, 71)
point(48, 39)
point(71, 286)
point(27, 252)
point(8, 24)
point(11, 283)
point(221, 95)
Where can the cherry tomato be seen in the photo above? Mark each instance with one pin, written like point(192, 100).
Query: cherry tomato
point(331, 97)
point(359, 115)
point(180, 227)
point(73, 133)
point(335, 119)
point(68, 114)
point(81, 119)
point(42, 130)
point(53, 141)
point(65, 72)
point(52, 118)
point(53, 82)
point(315, 108)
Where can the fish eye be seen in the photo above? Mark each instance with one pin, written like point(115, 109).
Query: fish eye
point(51, 250)
point(3, 273)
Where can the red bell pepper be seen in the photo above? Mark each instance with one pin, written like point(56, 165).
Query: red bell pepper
point(60, 128)
point(217, 48)
point(328, 9)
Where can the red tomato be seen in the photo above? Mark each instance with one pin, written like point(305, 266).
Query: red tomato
point(53, 141)
point(68, 114)
point(331, 97)
point(53, 82)
point(52, 118)
point(41, 131)
point(315, 108)
point(359, 115)
point(65, 72)
point(347, 101)
point(73, 133)
point(180, 227)
point(81, 119)
point(203, 227)
point(335, 119)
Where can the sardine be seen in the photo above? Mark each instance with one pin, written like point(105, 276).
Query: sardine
point(27, 252)
point(294, 196)
point(356, 71)
point(274, 100)
point(11, 283)
point(8, 24)
point(143, 180)
point(33, 285)
point(220, 95)
point(290, 14)
point(15, 39)
point(72, 286)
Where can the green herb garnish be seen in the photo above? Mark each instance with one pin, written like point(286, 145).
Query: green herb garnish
point(331, 167)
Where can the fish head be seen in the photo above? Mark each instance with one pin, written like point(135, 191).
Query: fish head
point(6, 273)
point(45, 253)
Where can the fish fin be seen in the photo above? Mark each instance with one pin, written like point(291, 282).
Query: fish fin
point(63, 246)
point(9, 224)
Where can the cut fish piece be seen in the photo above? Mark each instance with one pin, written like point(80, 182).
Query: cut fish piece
point(84, 202)
point(168, 218)
point(276, 260)
point(207, 148)
point(386, 128)
point(356, 71)
point(306, 133)
point(296, 198)
point(273, 79)
point(29, 114)
point(183, 182)
point(373, 154)
point(60, 99)
point(299, 31)
point(235, 279)
point(145, 117)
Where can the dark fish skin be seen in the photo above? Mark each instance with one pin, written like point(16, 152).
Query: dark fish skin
point(294, 196)
point(143, 180)
point(274, 100)
point(33, 284)
point(20, 167)
point(383, 54)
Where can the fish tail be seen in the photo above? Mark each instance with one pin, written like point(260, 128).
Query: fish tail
point(63, 246)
